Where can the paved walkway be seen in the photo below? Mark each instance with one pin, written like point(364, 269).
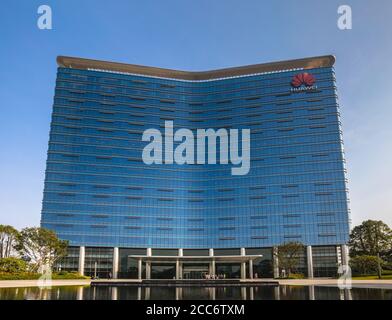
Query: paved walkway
point(292, 282)
point(334, 283)
point(35, 283)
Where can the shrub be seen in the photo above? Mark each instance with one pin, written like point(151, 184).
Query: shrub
point(67, 275)
point(36, 276)
point(365, 265)
point(296, 276)
point(12, 265)
point(19, 276)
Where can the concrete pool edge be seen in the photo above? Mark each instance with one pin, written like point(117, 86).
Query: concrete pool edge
point(36, 283)
point(385, 284)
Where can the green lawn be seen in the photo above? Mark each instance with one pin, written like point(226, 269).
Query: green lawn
point(373, 277)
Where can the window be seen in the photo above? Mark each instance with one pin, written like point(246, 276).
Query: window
point(167, 101)
point(252, 98)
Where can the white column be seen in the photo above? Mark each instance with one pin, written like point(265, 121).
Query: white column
point(345, 254)
point(212, 263)
point(81, 260)
point(179, 264)
point(310, 261)
point(148, 270)
point(148, 264)
point(115, 262)
point(250, 269)
point(177, 269)
point(139, 269)
point(243, 265)
point(275, 262)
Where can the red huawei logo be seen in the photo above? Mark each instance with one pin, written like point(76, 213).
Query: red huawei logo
point(303, 78)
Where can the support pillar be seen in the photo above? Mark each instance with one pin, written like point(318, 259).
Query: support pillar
point(115, 262)
point(148, 270)
point(148, 264)
point(178, 276)
point(345, 254)
point(250, 269)
point(81, 260)
point(212, 263)
point(243, 265)
point(275, 261)
point(309, 256)
point(179, 264)
point(139, 269)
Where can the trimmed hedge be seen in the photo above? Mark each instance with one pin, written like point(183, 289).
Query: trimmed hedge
point(36, 276)
point(296, 276)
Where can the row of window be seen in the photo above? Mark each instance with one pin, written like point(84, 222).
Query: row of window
point(108, 99)
point(108, 96)
point(142, 124)
point(301, 129)
point(70, 103)
point(105, 196)
point(227, 218)
point(92, 159)
point(219, 87)
point(231, 228)
point(94, 104)
point(139, 188)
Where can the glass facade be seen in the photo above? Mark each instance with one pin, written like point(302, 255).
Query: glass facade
point(70, 262)
point(262, 267)
point(325, 261)
point(99, 193)
point(98, 262)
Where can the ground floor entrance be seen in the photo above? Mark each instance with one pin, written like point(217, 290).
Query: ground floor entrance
point(192, 271)
point(195, 267)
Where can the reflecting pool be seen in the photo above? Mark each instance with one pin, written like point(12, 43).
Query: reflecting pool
point(282, 292)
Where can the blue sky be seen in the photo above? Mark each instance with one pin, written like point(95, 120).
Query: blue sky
point(194, 35)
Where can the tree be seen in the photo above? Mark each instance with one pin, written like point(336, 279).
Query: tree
point(289, 255)
point(12, 265)
point(41, 247)
point(8, 238)
point(365, 264)
point(372, 238)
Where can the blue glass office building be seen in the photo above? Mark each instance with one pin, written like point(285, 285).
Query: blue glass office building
point(130, 219)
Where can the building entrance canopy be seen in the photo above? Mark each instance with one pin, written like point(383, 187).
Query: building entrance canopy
point(181, 261)
point(207, 259)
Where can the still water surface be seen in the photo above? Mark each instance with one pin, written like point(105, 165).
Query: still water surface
point(194, 293)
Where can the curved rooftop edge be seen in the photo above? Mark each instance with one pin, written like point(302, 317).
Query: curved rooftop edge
point(305, 63)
